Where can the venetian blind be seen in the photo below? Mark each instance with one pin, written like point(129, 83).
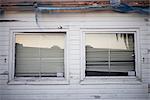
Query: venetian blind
point(109, 53)
point(39, 54)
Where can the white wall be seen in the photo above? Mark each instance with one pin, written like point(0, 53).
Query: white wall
point(74, 91)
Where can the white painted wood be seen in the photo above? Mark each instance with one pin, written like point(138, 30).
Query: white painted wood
point(74, 90)
point(3, 77)
point(4, 48)
point(121, 88)
point(83, 97)
point(3, 82)
point(71, 87)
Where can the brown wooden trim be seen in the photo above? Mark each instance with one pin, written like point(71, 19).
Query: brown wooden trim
point(29, 4)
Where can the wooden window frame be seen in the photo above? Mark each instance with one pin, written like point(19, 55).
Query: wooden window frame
point(111, 79)
point(37, 80)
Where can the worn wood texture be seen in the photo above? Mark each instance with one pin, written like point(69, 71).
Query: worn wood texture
point(75, 22)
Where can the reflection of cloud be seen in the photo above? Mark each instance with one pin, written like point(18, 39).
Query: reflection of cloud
point(41, 40)
point(89, 46)
point(54, 47)
point(105, 41)
point(18, 45)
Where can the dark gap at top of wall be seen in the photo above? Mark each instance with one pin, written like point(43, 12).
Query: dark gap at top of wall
point(9, 20)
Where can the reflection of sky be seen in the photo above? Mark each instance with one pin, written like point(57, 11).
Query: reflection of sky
point(105, 41)
point(41, 40)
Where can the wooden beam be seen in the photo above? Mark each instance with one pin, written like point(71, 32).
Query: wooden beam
point(14, 2)
point(29, 4)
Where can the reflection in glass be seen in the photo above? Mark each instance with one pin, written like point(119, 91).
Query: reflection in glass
point(109, 54)
point(39, 55)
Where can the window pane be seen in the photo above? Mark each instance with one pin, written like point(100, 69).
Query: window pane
point(96, 54)
point(109, 54)
point(122, 60)
point(39, 54)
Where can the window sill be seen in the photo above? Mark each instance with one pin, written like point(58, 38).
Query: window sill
point(111, 80)
point(36, 81)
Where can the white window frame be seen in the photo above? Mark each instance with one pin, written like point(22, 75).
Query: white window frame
point(111, 79)
point(37, 80)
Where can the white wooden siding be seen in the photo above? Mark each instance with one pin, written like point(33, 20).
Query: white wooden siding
point(75, 91)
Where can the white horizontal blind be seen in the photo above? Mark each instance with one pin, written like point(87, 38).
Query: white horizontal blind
point(39, 54)
point(109, 54)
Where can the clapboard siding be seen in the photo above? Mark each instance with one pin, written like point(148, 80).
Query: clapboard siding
point(74, 91)
point(43, 16)
point(73, 22)
point(74, 57)
point(63, 23)
point(47, 97)
point(145, 45)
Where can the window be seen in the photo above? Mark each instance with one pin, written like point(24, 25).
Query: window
point(109, 54)
point(39, 55)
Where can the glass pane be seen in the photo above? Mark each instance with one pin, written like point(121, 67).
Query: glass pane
point(39, 54)
point(122, 59)
point(27, 55)
point(109, 54)
point(52, 57)
point(97, 47)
